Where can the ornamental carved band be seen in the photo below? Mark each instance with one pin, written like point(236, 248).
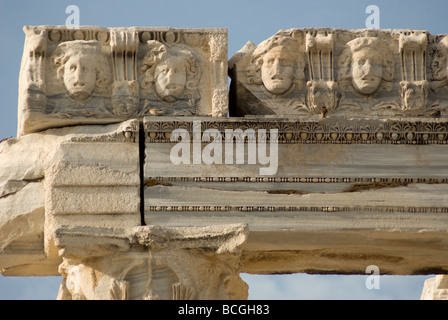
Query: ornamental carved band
point(331, 72)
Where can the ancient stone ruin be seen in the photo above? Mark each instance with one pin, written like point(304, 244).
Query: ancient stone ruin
point(137, 173)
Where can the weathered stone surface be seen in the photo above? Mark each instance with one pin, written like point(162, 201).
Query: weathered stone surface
point(95, 75)
point(76, 176)
point(436, 288)
point(22, 222)
point(341, 73)
point(152, 262)
point(337, 162)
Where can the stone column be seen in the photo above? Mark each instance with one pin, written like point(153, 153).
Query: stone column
point(151, 262)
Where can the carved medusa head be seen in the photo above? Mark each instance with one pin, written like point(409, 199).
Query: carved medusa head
point(173, 72)
point(368, 63)
point(82, 68)
point(278, 65)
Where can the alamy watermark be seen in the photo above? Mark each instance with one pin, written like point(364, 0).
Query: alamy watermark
point(373, 281)
point(189, 150)
point(373, 20)
point(73, 20)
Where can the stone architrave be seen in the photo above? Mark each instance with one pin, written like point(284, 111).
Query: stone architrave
point(348, 73)
point(95, 75)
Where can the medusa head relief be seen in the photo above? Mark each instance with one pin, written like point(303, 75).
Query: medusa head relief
point(83, 68)
point(172, 72)
point(278, 65)
point(367, 63)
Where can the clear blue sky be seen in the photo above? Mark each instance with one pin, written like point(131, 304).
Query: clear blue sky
point(245, 20)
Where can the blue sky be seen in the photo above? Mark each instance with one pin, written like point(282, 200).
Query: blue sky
point(245, 20)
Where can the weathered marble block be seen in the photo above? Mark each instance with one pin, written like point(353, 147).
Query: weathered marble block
point(152, 263)
point(325, 72)
point(95, 75)
point(128, 180)
point(364, 184)
point(435, 288)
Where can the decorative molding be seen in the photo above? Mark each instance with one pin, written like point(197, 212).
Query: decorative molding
point(416, 132)
point(406, 180)
point(357, 209)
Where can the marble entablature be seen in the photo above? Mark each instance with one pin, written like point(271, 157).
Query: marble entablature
point(89, 190)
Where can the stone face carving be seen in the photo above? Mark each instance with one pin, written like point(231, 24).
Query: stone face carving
point(368, 63)
point(355, 73)
point(322, 89)
point(106, 207)
point(171, 77)
point(82, 68)
point(96, 75)
point(278, 66)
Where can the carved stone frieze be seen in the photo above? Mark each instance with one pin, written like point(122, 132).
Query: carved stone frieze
point(348, 73)
point(95, 75)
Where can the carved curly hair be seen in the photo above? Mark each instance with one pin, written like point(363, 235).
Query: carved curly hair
point(370, 43)
point(290, 47)
point(81, 47)
point(158, 52)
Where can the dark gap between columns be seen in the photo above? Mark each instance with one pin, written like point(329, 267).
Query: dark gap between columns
point(142, 156)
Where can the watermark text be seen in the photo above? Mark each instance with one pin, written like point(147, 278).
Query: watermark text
point(373, 281)
point(72, 21)
point(239, 147)
point(373, 20)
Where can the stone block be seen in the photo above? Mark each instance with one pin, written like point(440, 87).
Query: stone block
point(95, 75)
point(151, 262)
